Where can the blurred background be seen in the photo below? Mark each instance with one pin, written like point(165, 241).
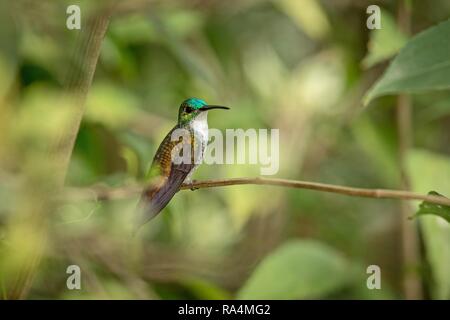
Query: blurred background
point(300, 66)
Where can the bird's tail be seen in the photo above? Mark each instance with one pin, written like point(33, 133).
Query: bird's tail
point(158, 195)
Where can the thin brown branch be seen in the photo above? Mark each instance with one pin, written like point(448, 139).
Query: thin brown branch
point(103, 193)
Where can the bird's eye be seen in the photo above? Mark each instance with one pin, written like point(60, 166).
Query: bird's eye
point(189, 110)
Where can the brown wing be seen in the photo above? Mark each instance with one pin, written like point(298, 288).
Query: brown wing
point(166, 177)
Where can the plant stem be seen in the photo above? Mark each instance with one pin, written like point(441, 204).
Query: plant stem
point(102, 193)
point(60, 150)
point(409, 232)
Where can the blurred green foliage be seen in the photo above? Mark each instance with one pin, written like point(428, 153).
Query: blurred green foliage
point(300, 66)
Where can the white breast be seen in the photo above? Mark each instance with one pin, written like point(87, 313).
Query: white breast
point(200, 126)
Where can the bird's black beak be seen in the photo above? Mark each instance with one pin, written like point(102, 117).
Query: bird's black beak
point(209, 107)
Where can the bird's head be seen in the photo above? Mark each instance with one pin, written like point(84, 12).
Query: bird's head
point(192, 107)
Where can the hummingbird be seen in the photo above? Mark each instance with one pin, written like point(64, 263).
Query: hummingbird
point(167, 173)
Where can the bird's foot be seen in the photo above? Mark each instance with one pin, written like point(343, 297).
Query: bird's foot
point(191, 184)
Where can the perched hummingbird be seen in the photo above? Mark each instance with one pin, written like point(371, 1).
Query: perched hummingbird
point(166, 172)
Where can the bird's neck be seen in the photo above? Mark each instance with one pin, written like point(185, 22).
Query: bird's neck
point(200, 123)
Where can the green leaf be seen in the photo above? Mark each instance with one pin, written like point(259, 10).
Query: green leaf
point(297, 270)
point(442, 211)
point(422, 64)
